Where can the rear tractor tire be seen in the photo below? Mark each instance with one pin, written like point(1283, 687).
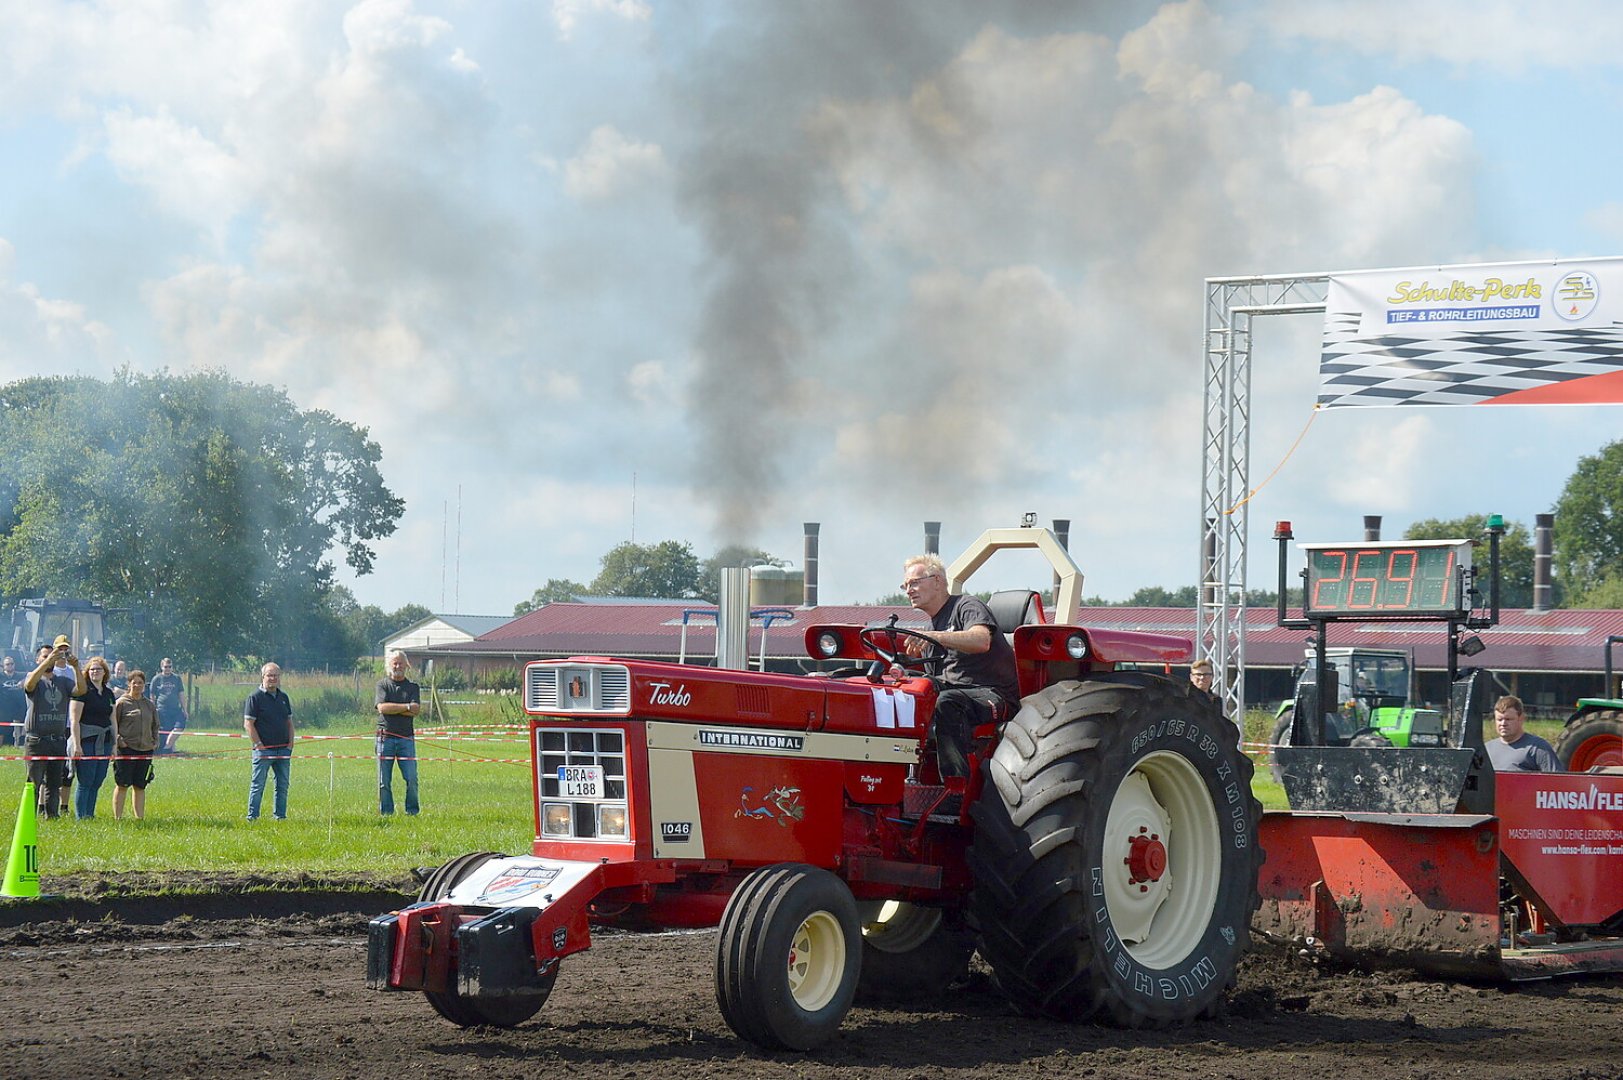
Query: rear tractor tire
point(509, 1010)
point(1115, 856)
point(910, 952)
point(1591, 739)
point(788, 956)
point(1281, 737)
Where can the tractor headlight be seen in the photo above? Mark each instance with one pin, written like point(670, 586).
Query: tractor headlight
point(828, 644)
point(611, 821)
point(1076, 646)
point(555, 819)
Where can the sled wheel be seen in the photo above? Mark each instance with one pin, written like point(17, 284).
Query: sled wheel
point(1115, 856)
point(509, 1010)
point(909, 952)
point(787, 957)
point(1280, 737)
point(1591, 739)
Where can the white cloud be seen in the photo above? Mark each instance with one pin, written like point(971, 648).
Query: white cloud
point(567, 14)
point(1504, 35)
point(611, 164)
point(189, 175)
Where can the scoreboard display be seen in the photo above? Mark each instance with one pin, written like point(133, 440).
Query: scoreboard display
point(1394, 579)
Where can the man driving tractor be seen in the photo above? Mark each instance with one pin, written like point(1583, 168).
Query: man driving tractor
point(978, 675)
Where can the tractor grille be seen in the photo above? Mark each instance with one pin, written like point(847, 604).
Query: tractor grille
point(577, 688)
point(566, 759)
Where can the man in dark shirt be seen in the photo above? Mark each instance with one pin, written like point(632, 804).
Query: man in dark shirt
point(168, 692)
point(267, 717)
point(399, 701)
point(46, 743)
point(13, 702)
point(982, 684)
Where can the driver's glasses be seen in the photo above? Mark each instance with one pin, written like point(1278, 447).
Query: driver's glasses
point(912, 583)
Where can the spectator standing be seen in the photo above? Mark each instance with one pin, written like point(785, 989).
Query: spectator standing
point(90, 736)
point(399, 701)
point(267, 717)
point(46, 743)
point(13, 702)
point(168, 692)
point(135, 719)
point(1517, 749)
point(1200, 676)
point(120, 680)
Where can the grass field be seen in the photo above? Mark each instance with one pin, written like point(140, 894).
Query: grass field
point(475, 794)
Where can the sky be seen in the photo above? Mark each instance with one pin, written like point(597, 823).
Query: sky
point(599, 270)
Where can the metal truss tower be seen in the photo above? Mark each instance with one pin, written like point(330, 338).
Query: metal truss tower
point(1225, 476)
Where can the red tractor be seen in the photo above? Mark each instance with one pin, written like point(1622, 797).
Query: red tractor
point(1102, 857)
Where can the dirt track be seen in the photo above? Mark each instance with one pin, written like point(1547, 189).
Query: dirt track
point(247, 986)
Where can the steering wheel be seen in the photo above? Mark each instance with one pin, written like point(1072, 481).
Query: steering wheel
point(890, 652)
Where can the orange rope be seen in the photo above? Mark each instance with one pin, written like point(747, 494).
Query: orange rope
point(1253, 492)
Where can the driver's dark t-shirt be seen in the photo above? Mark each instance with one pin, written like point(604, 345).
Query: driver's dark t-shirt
point(994, 668)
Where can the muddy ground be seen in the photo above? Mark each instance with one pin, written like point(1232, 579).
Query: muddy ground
point(243, 982)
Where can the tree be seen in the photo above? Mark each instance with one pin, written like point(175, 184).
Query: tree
point(1589, 522)
point(730, 555)
point(665, 569)
point(1515, 554)
point(208, 505)
point(555, 591)
point(1156, 596)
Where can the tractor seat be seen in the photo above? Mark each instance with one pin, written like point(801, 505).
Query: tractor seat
point(1014, 608)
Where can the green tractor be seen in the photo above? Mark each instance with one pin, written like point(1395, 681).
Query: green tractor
point(1594, 734)
point(1372, 691)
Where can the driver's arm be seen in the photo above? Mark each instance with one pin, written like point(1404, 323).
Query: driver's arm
point(973, 639)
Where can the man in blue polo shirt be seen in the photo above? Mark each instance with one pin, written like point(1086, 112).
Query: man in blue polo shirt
point(267, 717)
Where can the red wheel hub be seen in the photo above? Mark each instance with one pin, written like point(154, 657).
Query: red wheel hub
point(1146, 858)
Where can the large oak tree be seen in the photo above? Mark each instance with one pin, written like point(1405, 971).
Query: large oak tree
point(208, 506)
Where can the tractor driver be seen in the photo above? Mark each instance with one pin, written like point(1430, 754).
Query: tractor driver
point(979, 677)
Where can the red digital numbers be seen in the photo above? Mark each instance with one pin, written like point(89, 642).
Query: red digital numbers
point(1378, 579)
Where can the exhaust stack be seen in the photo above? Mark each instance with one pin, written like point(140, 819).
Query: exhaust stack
point(1543, 557)
point(733, 619)
point(809, 562)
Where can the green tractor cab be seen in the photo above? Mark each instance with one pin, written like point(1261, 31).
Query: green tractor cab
point(1371, 688)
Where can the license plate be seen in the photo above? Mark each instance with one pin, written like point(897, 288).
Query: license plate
point(580, 781)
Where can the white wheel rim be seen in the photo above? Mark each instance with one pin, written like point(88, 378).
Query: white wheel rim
point(1163, 860)
point(816, 961)
point(894, 926)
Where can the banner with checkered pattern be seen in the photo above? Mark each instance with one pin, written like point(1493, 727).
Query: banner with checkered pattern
point(1493, 334)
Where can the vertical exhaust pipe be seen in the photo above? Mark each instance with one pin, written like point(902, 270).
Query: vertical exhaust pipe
point(733, 619)
point(932, 537)
point(808, 559)
point(1543, 557)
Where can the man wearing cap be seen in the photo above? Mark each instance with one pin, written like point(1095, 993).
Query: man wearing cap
point(46, 741)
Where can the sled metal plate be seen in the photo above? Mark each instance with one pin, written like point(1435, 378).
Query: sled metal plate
point(1382, 780)
point(1411, 891)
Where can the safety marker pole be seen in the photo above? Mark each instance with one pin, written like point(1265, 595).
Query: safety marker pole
point(22, 868)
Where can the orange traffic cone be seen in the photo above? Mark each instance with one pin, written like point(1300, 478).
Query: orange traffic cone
point(22, 869)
